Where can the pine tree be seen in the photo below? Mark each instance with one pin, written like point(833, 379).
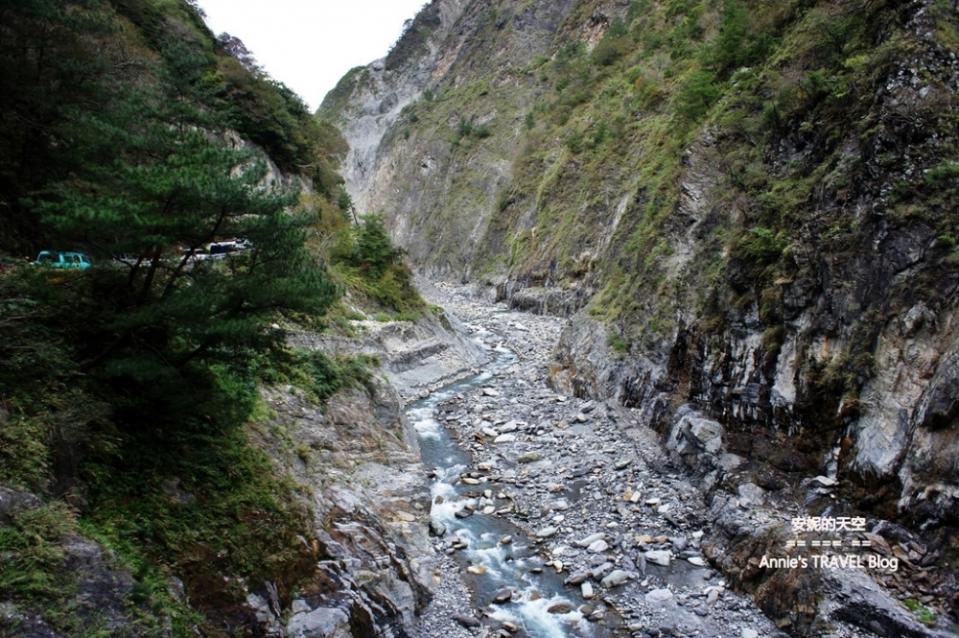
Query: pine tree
point(156, 179)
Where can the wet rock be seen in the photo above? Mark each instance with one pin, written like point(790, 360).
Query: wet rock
point(577, 578)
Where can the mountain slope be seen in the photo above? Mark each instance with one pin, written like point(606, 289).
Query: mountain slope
point(770, 182)
point(748, 207)
point(172, 461)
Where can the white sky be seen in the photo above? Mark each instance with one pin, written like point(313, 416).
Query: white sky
point(310, 44)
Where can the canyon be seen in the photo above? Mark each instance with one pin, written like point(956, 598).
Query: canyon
point(732, 252)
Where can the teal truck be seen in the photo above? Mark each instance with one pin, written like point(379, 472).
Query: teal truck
point(58, 259)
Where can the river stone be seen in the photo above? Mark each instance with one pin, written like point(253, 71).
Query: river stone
point(598, 547)
point(503, 596)
point(697, 561)
point(466, 621)
point(615, 578)
point(505, 438)
point(529, 457)
point(659, 597)
point(658, 557)
point(589, 540)
point(749, 633)
point(561, 607)
point(587, 590)
point(577, 578)
point(546, 532)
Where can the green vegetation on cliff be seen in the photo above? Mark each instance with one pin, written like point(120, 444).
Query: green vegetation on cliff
point(127, 390)
point(693, 167)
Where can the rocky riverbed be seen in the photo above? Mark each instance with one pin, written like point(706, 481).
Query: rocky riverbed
point(631, 530)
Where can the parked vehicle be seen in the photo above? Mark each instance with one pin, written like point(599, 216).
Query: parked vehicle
point(59, 259)
point(223, 248)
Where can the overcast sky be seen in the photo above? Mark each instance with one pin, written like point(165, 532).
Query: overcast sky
point(310, 44)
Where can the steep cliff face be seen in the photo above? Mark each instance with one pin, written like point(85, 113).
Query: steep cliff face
point(751, 206)
point(265, 494)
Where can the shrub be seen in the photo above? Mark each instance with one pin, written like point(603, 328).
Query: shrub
point(761, 245)
point(372, 251)
point(614, 45)
point(698, 95)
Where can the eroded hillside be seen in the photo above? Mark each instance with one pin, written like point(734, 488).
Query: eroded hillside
point(754, 202)
point(747, 208)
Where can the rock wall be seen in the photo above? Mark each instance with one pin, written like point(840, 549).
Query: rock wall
point(358, 464)
point(786, 263)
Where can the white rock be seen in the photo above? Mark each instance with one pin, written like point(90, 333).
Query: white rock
point(615, 578)
point(589, 540)
point(824, 481)
point(505, 438)
point(598, 547)
point(587, 590)
point(546, 532)
point(659, 597)
point(658, 557)
point(749, 633)
point(508, 427)
point(751, 494)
